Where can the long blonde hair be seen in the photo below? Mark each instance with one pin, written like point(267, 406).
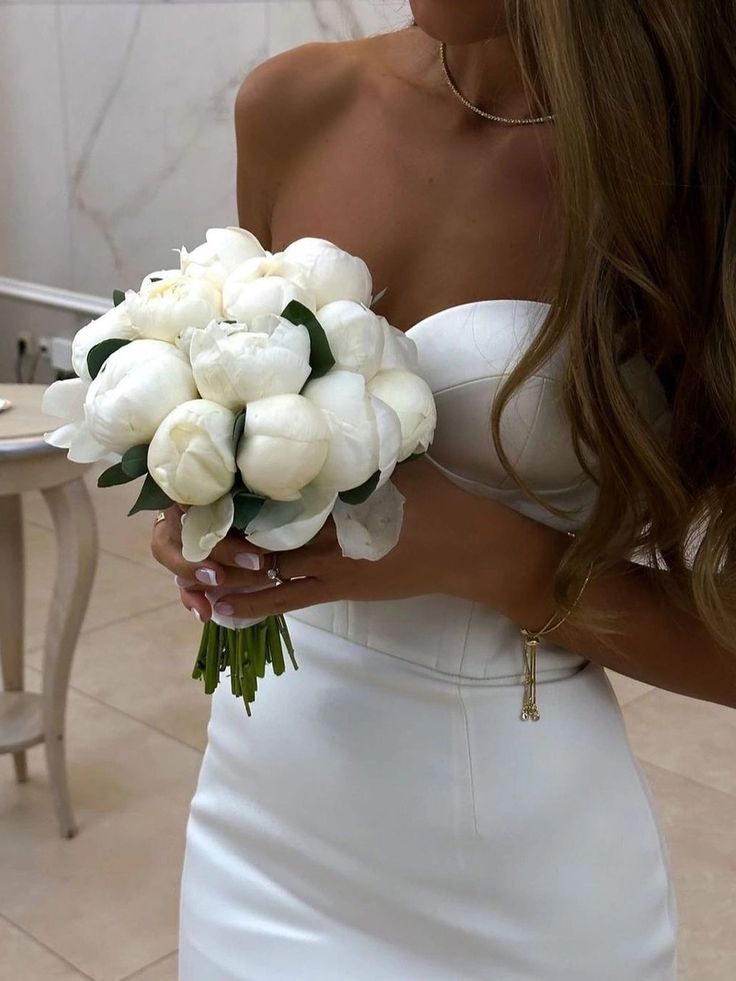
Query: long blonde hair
point(644, 98)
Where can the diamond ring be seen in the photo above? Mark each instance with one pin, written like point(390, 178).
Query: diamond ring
point(273, 572)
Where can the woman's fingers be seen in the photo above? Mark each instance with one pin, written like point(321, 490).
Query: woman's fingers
point(235, 550)
point(197, 604)
point(166, 549)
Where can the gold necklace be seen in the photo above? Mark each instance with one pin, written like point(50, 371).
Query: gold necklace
point(481, 112)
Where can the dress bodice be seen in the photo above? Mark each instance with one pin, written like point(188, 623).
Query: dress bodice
point(465, 352)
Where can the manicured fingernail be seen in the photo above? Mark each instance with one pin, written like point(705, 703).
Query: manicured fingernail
point(225, 609)
point(182, 582)
point(195, 614)
point(248, 560)
point(207, 576)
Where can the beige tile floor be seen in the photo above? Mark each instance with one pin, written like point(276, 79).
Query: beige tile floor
point(104, 905)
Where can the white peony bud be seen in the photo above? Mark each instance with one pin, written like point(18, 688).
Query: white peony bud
point(250, 290)
point(136, 387)
point(333, 273)
point(355, 336)
point(191, 454)
point(353, 454)
point(114, 323)
point(411, 399)
point(223, 251)
point(235, 364)
point(284, 446)
point(162, 309)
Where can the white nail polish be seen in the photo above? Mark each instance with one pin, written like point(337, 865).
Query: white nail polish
point(207, 576)
point(248, 560)
point(195, 614)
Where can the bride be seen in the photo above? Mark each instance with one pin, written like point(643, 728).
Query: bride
point(445, 791)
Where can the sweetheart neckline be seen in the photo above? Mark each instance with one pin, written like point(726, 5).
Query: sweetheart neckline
point(471, 303)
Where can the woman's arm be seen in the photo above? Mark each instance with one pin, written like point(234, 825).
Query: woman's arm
point(659, 646)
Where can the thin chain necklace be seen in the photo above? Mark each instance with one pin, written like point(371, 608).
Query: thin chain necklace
point(481, 112)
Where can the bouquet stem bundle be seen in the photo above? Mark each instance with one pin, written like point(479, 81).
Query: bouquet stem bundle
point(245, 652)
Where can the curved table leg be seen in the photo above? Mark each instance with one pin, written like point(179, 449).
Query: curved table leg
point(12, 606)
point(76, 538)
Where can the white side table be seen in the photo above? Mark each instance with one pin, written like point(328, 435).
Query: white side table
point(28, 463)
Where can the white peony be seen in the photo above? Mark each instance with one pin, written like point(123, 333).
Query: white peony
point(411, 399)
point(162, 309)
point(333, 273)
point(191, 454)
point(235, 364)
point(136, 387)
point(284, 446)
point(252, 289)
point(355, 336)
point(353, 452)
point(399, 350)
point(115, 322)
point(223, 251)
point(65, 399)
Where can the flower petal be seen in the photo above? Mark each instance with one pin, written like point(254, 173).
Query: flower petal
point(371, 529)
point(389, 438)
point(203, 526)
point(65, 399)
point(282, 525)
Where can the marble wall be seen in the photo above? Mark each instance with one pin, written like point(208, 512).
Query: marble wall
point(118, 139)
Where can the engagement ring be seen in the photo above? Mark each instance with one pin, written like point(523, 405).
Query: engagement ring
point(273, 572)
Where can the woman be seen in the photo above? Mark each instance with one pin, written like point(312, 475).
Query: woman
point(422, 799)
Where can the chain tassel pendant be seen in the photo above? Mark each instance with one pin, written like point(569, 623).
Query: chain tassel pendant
point(529, 708)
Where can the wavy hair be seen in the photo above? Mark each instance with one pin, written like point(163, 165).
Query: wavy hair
point(644, 98)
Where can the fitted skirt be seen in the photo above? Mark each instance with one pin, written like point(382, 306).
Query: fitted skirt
point(377, 820)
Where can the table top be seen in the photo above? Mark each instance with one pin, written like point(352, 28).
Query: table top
point(22, 426)
point(25, 417)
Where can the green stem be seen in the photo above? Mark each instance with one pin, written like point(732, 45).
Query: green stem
point(211, 671)
point(284, 631)
point(274, 645)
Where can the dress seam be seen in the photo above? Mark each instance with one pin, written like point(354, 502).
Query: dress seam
point(465, 715)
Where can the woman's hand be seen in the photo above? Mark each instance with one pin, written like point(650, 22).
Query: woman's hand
point(426, 559)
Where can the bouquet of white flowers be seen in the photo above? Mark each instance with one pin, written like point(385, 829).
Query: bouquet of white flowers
point(260, 390)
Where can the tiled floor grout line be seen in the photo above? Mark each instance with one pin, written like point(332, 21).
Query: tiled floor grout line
point(111, 623)
point(46, 947)
point(127, 715)
point(686, 776)
point(115, 555)
point(146, 967)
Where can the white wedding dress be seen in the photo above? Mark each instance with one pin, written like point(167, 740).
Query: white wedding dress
point(385, 814)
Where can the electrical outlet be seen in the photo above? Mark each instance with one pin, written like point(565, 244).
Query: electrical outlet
point(60, 353)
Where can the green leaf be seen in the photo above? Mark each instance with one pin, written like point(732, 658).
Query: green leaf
point(117, 297)
point(356, 495)
point(246, 506)
point(135, 461)
point(98, 355)
point(238, 427)
point(113, 476)
point(151, 498)
point(320, 355)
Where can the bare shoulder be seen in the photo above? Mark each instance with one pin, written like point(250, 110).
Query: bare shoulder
point(282, 106)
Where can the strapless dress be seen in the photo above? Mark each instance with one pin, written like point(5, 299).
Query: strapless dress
point(384, 814)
